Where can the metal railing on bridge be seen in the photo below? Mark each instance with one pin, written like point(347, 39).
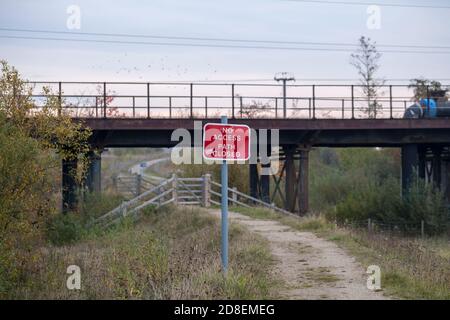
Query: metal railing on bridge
point(211, 100)
point(201, 191)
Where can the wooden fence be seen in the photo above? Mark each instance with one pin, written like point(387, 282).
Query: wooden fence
point(202, 191)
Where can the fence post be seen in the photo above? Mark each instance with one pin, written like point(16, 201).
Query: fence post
point(276, 107)
point(59, 98)
point(96, 106)
point(314, 101)
point(232, 101)
point(422, 228)
point(391, 103)
point(240, 101)
point(206, 194)
point(114, 183)
point(353, 102)
point(104, 99)
point(309, 108)
point(148, 100)
point(174, 187)
point(234, 196)
point(138, 184)
point(123, 209)
point(192, 100)
point(273, 206)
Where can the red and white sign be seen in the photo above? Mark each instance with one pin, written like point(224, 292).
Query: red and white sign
point(226, 142)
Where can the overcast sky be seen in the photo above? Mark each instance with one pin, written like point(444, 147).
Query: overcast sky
point(277, 20)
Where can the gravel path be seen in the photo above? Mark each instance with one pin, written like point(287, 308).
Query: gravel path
point(311, 268)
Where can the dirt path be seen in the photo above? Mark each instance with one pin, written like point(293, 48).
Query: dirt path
point(312, 268)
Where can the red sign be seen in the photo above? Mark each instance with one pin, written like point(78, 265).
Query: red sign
point(226, 142)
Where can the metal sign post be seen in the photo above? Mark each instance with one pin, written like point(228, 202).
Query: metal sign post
point(224, 181)
point(225, 142)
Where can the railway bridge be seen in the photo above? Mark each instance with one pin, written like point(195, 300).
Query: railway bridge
point(306, 116)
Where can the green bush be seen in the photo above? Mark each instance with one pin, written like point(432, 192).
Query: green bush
point(385, 205)
point(65, 229)
point(96, 204)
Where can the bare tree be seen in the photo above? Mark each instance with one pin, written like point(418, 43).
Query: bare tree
point(366, 61)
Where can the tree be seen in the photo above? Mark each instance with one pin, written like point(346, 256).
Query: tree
point(424, 88)
point(33, 140)
point(366, 61)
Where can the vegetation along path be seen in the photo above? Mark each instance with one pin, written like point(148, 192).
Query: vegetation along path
point(310, 267)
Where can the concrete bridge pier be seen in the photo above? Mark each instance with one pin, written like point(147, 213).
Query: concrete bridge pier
point(69, 185)
point(93, 176)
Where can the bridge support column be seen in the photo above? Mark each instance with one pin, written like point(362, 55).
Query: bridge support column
point(446, 179)
point(303, 182)
point(69, 185)
point(410, 166)
point(253, 180)
point(94, 173)
point(290, 179)
point(422, 158)
point(437, 167)
point(265, 183)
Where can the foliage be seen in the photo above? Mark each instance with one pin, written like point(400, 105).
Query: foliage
point(338, 173)
point(366, 61)
point(359, 184)
point(33, 140)
point(48, 124)
point(26, 198)
point(65, 229)
point(424, 88)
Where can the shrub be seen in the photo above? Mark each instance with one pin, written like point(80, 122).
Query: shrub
point(385, 205)
point(96, 204)
point(65, 229)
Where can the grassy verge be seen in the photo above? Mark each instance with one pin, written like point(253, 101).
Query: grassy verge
point(171, 254)
point(411, 268)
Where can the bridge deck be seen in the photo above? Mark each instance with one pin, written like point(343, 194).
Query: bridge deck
point(128, 132)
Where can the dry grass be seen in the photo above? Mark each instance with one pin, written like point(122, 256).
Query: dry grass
point(170, 255)
point(412, 268)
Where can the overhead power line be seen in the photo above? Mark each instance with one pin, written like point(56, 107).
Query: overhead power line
point(381, 4)
point(269, 41)
point(185, 44)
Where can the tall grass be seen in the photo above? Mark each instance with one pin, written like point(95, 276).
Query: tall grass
point(171, 254)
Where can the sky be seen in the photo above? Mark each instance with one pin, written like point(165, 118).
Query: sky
point(256, 20)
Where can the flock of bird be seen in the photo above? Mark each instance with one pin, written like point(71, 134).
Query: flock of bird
point(162, 66)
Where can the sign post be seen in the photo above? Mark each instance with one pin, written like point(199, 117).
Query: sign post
point(224, 216)
point(225, 142)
